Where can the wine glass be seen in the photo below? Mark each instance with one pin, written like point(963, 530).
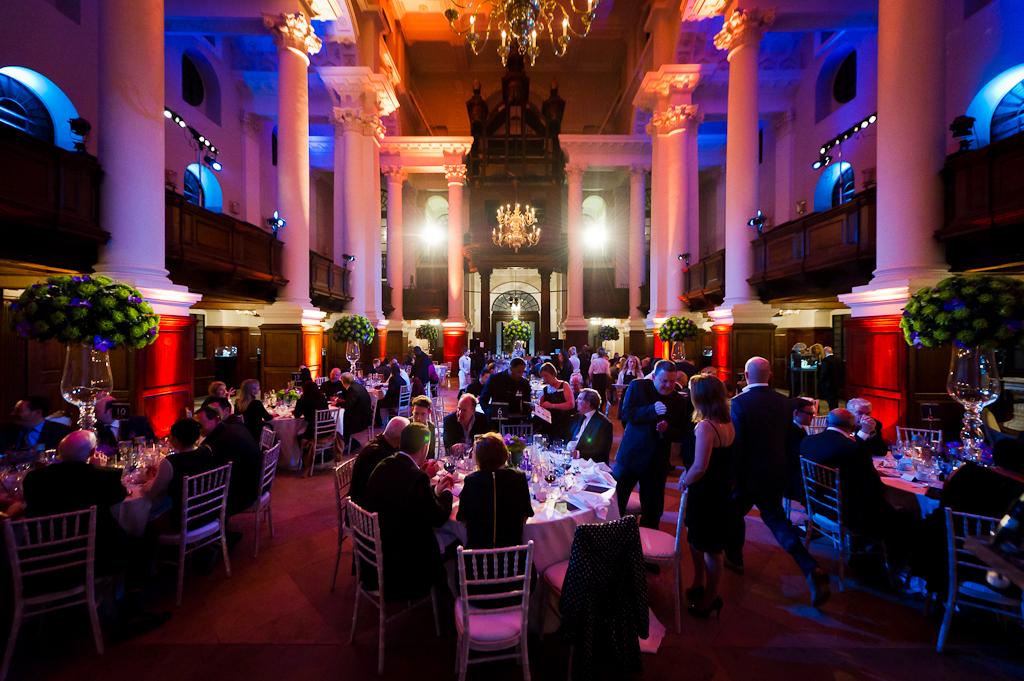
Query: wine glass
point(450, 464)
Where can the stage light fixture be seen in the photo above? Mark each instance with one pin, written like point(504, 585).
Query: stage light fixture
point(213, 163)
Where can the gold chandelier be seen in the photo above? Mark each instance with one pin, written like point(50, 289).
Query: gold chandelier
point(517, 227)
point(523, 22)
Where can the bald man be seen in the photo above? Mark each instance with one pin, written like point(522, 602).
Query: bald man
point(761, 417)
point(375, 451)
point(74, 484)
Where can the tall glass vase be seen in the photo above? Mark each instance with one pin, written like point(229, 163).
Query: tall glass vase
point(678, 351)
point(973, 382)
point(352, 354)
point(86, 375)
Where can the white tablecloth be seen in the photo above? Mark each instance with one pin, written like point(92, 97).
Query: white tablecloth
point(288, 429)
point(132, 514)
point(900, 489)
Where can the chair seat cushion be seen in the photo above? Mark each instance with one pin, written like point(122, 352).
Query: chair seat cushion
point(825, 523)
point(194, 535)
point(555, 575)
point(657, 544)
point(982, 592)
point(490, 628)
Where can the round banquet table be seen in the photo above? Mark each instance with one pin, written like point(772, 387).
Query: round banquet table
point(287, 429)
point(922, 496)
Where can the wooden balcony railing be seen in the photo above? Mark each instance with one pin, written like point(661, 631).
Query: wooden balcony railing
point(823, 253)
point(984, 193)
point(704, 282)
point(49, 203)
point(217, 254)
point(328, 283)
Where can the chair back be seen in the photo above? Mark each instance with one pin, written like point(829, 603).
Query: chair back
point(320, 380)
point(326, 424)
point(204, 497)
point(814, 430)
point(342, 485)
point(962, 562)
point(405, 400)
point(924, 435)
point(54, 549)
point(366, 545)
point(373, 412)
point(819, 422)
point(487, 575)
point(523, 430)
point(824, 497)
point(267, 438)
point(681, 524)
point(270, 458)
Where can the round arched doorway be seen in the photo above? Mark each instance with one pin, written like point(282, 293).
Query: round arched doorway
point(503, 310)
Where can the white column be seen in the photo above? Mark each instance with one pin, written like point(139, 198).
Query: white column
point(574, 320)
point(911, 153)
point(741, 36)
point(396, 176)
point(295, 40)
point(636, 245)
point(354, 224)
point(131, 149)
point(455, 175)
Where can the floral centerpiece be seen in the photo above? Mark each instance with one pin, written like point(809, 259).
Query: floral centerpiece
point(516, 446)
point(608, 333)
point(675, 330)
point(288, 396)
point(430, 333)
point(518, 332)
point(91, 315)
point(975, 314)
point(353, 330)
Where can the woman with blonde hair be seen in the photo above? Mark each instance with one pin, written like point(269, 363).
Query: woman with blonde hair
point(707, 482)
point(249, 406)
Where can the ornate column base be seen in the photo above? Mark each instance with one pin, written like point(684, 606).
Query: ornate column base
point(888, 292)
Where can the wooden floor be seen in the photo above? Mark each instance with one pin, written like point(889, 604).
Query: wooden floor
point(276, 619)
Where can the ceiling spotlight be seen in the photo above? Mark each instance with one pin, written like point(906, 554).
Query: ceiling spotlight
point(202, 139)
point(872, 118)
point(431, 234)
point(276, 222)
point(825, 161)
point(181, 123)
point(167, 113)
point(822, 150)
point(757, 222)
point(213, 163)
point(348, 257)
point(863, 125)
point(817, 164)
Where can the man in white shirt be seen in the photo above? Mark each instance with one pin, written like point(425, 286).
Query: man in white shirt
point(869, 430)
point(574, 360)
point(591, 430)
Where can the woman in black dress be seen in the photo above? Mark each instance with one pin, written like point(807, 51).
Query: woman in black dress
point(708, 483)
point(249, 406)
point(495, 502)
point(311, 401)
point(558, 399)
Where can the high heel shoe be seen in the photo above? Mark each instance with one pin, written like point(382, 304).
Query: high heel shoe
point(704, 613)
point(694, 594)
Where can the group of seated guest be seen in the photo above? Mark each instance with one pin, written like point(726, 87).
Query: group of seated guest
point(110, 431)
point(249, 406)
point(389, 402)
point(333, 385)
point(230, 442)
point(476, 386)
point(355, 400)
point(460, 428)
point(30, 429)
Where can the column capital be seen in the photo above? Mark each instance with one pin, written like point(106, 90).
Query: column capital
point(293, 32)
point(350, 119)
point(574, 171)
point(395, 173)
point(455, 173)
point(673, 118)
point(743, 27)
point(639, 170)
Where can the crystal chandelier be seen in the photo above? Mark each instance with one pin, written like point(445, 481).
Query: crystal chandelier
point(517, 227)
point(522, 22)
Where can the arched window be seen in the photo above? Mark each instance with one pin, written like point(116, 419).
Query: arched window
point(192, 89)
point(844, 85)
point(202, 188)
point(32, 103)
point(835, 186)
point(21, 109)
point(1008, 117)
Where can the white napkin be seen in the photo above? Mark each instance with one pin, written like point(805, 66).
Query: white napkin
point(596, 473)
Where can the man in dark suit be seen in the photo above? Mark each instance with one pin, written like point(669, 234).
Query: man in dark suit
point(30, 428)
point(590, 431)
point(358, 407)
point(186, 460)
point(830, 377)
point(74, 484)
point(761, 417)
point(421, 365)
point(869, 430)
point(476, 386)
point(409, 509)
point(232, 443)
point(865, 508)
point(655, 416)
point(375, 451)
point(333, 385)
point(110, 431)
point(803, 413)
point(508, 387)
point(463, 424)
point(224, 410)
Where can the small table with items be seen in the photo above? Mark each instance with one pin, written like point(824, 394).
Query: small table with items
point(912, 482)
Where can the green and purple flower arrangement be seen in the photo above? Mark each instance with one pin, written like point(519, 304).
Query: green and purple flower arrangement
point(430, 333)
point(85, 309)
point(353, 328)
point(965, 310)
point(677, 329)
point(608, 333)
point(516, 330)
